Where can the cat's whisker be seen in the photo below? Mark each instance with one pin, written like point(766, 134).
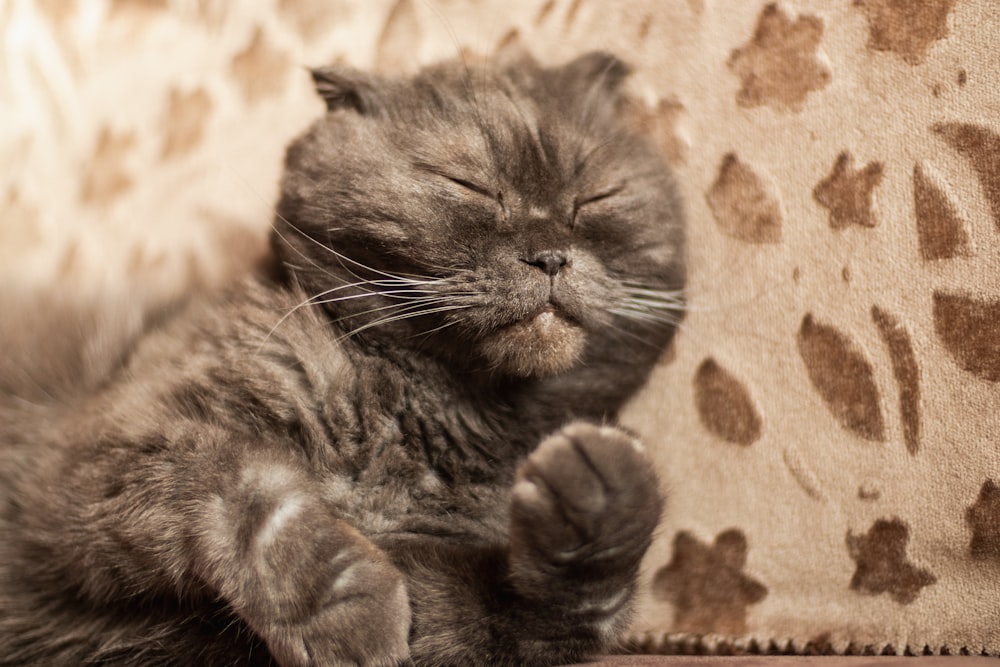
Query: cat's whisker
point(277, 232)
point(648, 289)
point(636, 336)
point(447, 324)
point(402, 316)
point(298, 252)
point(403, 295)
point(452, 271)
point(655, 304)
point(646, 316)
point(409, 301)
point(399, 276)
point(344, 258)
point(401, 307)
point(341, 258)
point(403, 292)
point(660, 295)
point(404, 285)
point(635, 288)
point(650, 304)
point(406, 281)
point(661, 313)
point(306, 302)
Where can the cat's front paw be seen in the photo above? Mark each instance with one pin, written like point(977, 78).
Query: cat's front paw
point(584, 507)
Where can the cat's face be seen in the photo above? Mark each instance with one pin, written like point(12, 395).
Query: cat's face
point(501, 217)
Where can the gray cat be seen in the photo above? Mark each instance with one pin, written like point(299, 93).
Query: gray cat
point(394, 447)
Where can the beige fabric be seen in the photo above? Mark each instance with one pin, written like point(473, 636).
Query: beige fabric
point(826, 426)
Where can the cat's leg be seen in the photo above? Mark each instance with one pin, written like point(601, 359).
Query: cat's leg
point(583, 512)
point(206, 518)
point(582, 515)
point(312, 586)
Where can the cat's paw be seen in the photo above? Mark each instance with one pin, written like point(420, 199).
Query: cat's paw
point(585, 504)
point(317, 591)
point(361, 618)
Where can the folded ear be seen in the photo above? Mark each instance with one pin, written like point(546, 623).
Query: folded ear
point(595, 71)
point(343, 87)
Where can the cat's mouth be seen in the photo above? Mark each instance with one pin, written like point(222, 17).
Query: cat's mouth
point(544, 342)
point(548, 312)
point(544, 319)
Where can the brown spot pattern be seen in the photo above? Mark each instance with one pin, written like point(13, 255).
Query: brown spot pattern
point(571, 13)
point(399, 42)
point(314, 19)
point(260, 69)
point(544, 11)
point(644, 26)
point(882, 565)
point(847, 192)
point(906, 372)
point(905, 27)
point(779, 66)
point(57, 10)
point(186, 116)
point(706, 584)
point(967, 328)
point(724, 405)
point(510, 40)
point(983, 518)
point(843, 378)
point(742, 204)
point(941, 232)
point(981, 147)
point(119, 6)
point(105, 176)
point(869, 493)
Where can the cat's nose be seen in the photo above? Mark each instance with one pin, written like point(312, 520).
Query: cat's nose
point(549, 261)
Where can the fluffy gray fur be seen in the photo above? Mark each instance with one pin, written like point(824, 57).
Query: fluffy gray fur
point(398, 444)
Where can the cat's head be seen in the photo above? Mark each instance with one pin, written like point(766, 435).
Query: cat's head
point(501, 216)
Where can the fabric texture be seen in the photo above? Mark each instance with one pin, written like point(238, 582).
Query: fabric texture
point(826, 424)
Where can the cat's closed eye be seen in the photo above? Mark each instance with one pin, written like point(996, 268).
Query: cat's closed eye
point(473, 187)
point(479, 190)
point(464, 182)
point(595, 197)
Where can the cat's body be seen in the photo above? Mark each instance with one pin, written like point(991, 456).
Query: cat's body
point(340, 464)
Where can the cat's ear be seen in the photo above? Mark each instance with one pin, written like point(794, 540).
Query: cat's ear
point(343, 87)
point(597, 71)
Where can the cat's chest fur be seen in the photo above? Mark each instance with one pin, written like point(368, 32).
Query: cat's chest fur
point(399, 444)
